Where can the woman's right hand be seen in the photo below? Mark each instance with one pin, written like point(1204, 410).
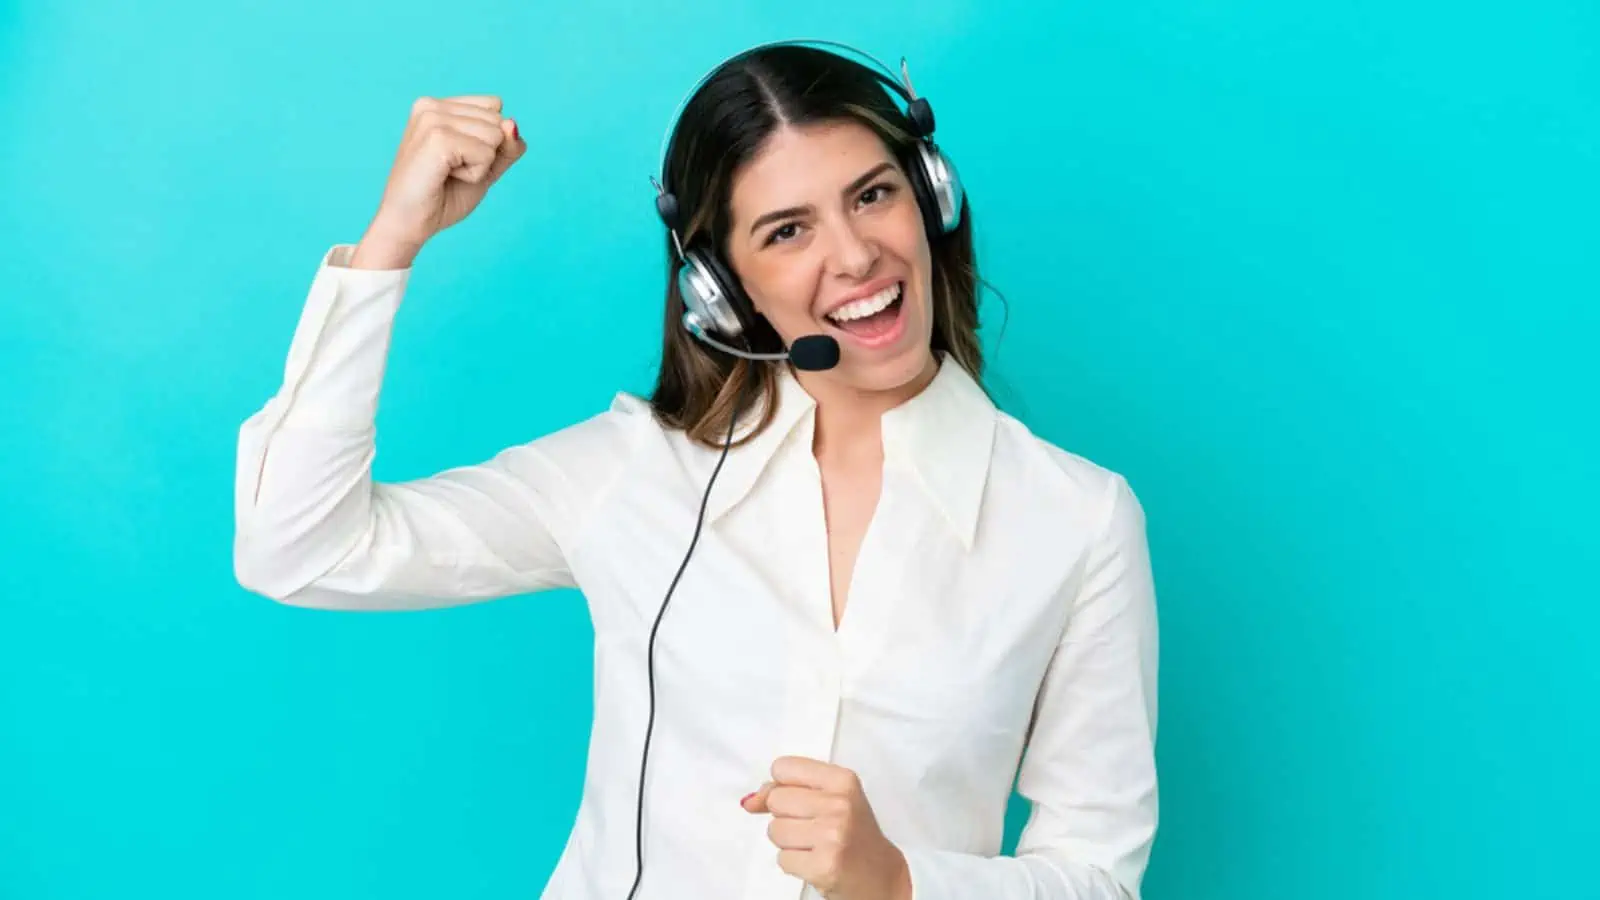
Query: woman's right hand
point(452, 151)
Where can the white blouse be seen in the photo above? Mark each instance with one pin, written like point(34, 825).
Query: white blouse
point(1002, 612)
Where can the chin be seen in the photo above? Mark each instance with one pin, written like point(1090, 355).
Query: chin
point(886, 369)
point(885, 373)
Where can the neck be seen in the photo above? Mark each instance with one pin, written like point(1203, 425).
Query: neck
point(849, 421)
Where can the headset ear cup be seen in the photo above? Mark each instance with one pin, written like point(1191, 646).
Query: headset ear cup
point(737, 306)
point(705, 295)
point(713, 296)
point(922, 188)
point(944, 187)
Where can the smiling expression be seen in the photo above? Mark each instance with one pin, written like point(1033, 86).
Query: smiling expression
point(826, 237)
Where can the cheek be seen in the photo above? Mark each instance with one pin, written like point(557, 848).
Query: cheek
point(782, 294)
point(911, 239)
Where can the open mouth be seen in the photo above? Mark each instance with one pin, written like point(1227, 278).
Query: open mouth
point(873, 320)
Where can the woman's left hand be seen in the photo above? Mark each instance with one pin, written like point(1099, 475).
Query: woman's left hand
point(826, 833)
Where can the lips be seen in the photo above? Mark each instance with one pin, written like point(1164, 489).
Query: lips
point(866, 307)
point(864, 292)
point(873, 321)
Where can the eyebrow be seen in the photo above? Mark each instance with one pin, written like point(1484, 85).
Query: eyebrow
point(852, 187)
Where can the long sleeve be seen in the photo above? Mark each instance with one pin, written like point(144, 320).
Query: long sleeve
point(312, 527)
point(1089, 770)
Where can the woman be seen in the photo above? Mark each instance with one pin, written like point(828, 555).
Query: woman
point(885, 593)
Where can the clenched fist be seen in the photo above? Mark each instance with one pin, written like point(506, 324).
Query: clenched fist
point(826, 833)
point(453, 149)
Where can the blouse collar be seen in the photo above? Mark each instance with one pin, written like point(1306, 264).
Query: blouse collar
point(944, 436)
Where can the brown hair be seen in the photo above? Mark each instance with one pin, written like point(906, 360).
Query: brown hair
point(722, 127)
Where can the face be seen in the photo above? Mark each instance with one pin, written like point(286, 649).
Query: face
point(827, 238)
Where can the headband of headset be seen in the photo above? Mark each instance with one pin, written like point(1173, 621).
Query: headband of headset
point(918, 110)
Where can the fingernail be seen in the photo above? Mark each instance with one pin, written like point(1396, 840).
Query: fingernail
point(514, 135)
point(746, 798)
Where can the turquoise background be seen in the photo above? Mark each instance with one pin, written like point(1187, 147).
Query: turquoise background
point(1319, 278)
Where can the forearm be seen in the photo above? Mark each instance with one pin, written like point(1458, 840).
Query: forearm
point(949, 875)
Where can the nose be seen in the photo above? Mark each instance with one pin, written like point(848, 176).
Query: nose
point(854, 253)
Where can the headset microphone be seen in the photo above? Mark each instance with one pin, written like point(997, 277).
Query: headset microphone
point(811, 353)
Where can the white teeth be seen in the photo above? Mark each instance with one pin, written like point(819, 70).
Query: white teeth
point(867, 306)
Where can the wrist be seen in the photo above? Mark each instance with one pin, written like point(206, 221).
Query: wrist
point(377, 250)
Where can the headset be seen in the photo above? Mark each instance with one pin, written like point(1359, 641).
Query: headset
point(715, 301)
point(713, 298)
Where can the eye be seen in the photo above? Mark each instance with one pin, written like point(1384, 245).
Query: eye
point(877, 193)
point(782, 233)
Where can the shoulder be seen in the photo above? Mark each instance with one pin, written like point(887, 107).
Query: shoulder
point(626, 438)
point(572, 473)
point(614, 431)
point(591, 452)
point(1088, 492)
